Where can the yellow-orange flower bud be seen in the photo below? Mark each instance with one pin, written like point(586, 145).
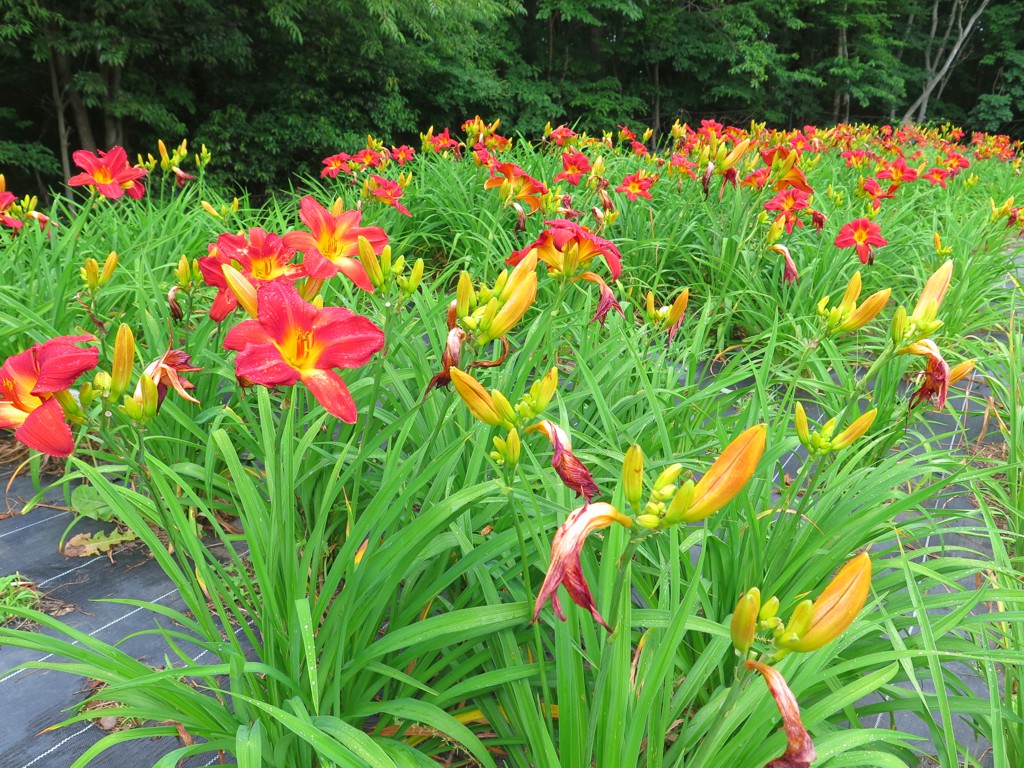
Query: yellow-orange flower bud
point(244, 291)
point(124, 361)
point(728, 474)
point(678, 308)
point(836, 607)
point(803, 430)
point(934, 291)
point(859, 426)
point(477, 399)
point(91, 274)
point(633, 476)
point(865, 313)
point(960, 370)
point(109, 265)
point(370, 262)
point(743, 626)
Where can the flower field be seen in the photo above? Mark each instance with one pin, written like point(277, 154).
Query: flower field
point(564, 452)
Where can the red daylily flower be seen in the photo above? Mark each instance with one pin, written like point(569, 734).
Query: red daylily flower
point(565, 569)
point(367, 158)
point(402, 154)
point(385, 191)
point(800, 751)
point(862, 234)
point(28, 381)
point(935, 377)
point(291, 340)
point(6, 201)
point(574, 165)
point(789, 202)
point(573, 472)
point(870, 188)
point(332, 242)
point(898, 171)
point(336, 164)
point(561, 135)
point(607, 301)
point(109, 172)
point(565, 245)
point(637, 185)
point(936, 176)
point(164, 372)
point(517, 184)
point(262, 258)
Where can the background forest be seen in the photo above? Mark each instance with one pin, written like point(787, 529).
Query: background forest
point(273, 86)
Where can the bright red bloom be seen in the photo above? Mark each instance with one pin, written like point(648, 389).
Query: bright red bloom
point(859, 158)
point(574, 165)
point(333, 241)
point(164, 372)
point(442, 142)
point(565, 569)
point(367, 158)
point(561, 135)
point(402, 154)
point(385, 191)
point(336, 164)
point(870, 188)
point(28, 381)
point(6, 201)
point(935, 377)
point(638, 148)
point(262, 258)
point(566, 245)
point(291, 340)
point(680, 164)
point(517, 184)
point(789, 202)
point(606, 301)
point(757, 179)
point(862, 234)
point(109, 172)
point(898, 171)
point(637, 185)
point(936, 176)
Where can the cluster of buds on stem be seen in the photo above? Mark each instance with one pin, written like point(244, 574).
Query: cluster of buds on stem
point(669, 504)
point(812, 624)
point(847, 316)
point(95, 278)
point(491, 312)
point(223, 212)
point(494, 409)
point(923, 321)
point(383, 272)
point(668, 317)
point(824, 440)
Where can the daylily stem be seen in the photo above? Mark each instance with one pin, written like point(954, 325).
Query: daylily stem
point(735, 691)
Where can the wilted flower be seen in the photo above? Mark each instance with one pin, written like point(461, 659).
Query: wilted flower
point(573, 472)
point(565, 568)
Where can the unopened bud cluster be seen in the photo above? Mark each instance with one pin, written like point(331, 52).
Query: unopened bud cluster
point(491, 312)
point(385, 271)
point(812, 624)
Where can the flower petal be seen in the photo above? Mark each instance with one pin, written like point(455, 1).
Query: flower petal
point(331, 392)
point(46, 430)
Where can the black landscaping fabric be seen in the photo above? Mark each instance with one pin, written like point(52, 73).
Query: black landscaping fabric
point(33, 700)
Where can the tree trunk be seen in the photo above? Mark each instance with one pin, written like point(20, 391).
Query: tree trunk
point(78, 108)
point(62, 127)
point(111, 123)
point(937, 73)
point(656, 112)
